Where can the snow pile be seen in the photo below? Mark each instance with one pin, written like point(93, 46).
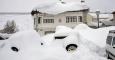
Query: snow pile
point(46, 40)
point(29, 48)
point(25, 42)
point(90, 43)
point(97, 36)
point(84, 53)
point(81, 27)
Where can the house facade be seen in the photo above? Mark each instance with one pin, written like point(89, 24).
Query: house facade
point(93, 22)
point(46, 23)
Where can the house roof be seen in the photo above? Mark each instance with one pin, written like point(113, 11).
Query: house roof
point(56, 8)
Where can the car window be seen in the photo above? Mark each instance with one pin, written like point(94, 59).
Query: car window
point(109, 39)
point(60, 37)
point(113, 41)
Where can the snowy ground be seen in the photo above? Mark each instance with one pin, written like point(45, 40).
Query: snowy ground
point(91, 44)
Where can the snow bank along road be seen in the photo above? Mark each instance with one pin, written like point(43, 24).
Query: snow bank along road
point(28, 45)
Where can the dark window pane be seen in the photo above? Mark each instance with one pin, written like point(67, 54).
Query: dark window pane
point(39, 20)
point(109, 39)
point(113, 41)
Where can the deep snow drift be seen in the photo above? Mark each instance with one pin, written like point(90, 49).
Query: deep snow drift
point(91, 43)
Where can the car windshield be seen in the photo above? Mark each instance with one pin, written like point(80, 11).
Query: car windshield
point(113, 41)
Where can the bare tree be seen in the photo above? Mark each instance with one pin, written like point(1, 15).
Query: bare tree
point(10, 27)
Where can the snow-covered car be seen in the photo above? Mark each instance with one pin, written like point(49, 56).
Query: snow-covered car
point(110, 45)
point(68, 38)
point(62, 32)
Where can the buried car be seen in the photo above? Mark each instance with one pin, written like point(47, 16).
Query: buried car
point(70, 40)
point(110, 45)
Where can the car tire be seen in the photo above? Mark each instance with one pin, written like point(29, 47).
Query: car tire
point(107, 55)
point(71, 47)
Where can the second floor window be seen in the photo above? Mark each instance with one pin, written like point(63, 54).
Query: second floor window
point(48, 20)
point(71, 19)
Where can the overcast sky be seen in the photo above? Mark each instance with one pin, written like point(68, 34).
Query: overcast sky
point(28, 5)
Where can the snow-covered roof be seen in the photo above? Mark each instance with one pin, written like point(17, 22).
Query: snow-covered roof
point(55, 8)
point(101, 15)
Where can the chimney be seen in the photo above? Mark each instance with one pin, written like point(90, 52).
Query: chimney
point(82, 1)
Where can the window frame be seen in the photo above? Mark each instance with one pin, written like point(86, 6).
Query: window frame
point(71, 19)
point(113, 41)
point(48, 20)
point(109, 41)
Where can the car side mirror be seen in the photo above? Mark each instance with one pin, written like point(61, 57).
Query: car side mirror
point(113, 46)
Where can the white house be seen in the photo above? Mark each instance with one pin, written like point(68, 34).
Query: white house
point(67, 14)
point(92, 17)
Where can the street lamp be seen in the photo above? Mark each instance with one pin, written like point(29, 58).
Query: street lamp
point(97, 13)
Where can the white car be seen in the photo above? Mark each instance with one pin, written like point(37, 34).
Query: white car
point(110, 45)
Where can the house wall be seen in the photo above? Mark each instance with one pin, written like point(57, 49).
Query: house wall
point(89, 18)
point(59, 19)
point(114, 16)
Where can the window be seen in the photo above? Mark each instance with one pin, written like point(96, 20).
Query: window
point(39, 20)
point(48, 20)
point(60, 20)
point(60, 37)
point(34, 21)
point(109, 39)
point(80, 18)
point(48, 32)
point(113, 41)
point(71, 19)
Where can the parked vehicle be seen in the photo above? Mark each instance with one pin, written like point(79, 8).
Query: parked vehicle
point(110, 45)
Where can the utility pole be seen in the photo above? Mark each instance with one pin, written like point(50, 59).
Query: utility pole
point(97, 13)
